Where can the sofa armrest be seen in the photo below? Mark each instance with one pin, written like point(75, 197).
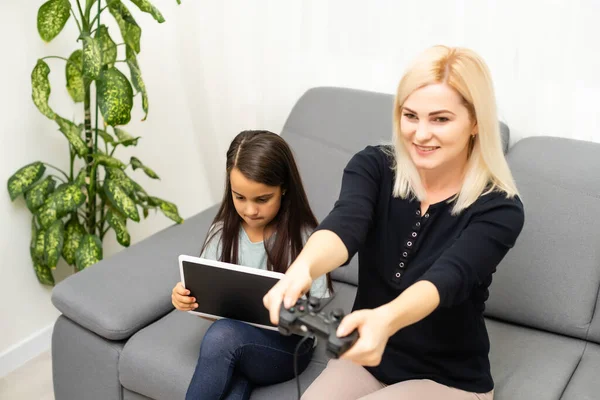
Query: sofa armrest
point(124, 293)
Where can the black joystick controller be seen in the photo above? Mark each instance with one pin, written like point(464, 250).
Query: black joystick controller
point(306, 316)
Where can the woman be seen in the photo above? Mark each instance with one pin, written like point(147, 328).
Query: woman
point(431, 218)
point(263, 222)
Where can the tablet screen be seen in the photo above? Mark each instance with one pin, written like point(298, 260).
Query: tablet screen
point(228, 293)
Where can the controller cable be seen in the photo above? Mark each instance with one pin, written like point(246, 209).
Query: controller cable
point(307, 336)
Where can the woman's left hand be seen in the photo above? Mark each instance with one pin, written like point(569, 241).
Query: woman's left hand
point(373, 329)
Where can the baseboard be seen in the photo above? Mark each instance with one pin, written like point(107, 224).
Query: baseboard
point(29, 348)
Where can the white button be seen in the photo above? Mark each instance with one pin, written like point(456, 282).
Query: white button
point(409, 243)
point(418, 212)
point(426, 215)
point(418, 224)
point(401, 265)
point(414, 234)
point(398, 274)
point(404, 254)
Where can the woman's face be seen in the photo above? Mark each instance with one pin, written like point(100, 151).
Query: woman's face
point(436, 128)
point(256, 203)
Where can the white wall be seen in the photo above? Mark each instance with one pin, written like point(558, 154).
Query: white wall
point(168, 145)
point(215, 68)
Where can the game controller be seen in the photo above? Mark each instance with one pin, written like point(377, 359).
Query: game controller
point(306, 316)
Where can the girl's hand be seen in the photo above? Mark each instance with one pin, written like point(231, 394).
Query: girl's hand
point(373, 328)
point(180, 297)
point(289, 289)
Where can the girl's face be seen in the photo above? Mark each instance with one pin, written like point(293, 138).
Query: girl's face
point(256, 203)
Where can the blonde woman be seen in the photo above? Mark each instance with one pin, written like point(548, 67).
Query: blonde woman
point(431, 217)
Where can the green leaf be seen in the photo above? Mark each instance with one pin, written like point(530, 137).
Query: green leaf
point(115, 97)
point(108, 161)
point(64, 200)
point(43, 273)
point(73, 134)
point(74, 231)
point(92, 58)
point(168, 209)
point(89, 251)
point(120, 200)
point(136, 78)
point(74, 74)
point(108, 48)
point(125, 138)
point(38, 240)
point(24, 179)
point(145, 212)
point(54, 243)
point(118, 223)
point(80, 180)
point(130, 30)
point(121, 178)
point(36, 196)
point(40, 88)
point(52, 17)
point(47, 214)
point(145, 6)
point(106, 137)
point(136, 163)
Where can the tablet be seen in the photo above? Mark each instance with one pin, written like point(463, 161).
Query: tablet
point(224, 290)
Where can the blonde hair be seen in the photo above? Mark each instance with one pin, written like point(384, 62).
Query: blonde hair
point(487, 169)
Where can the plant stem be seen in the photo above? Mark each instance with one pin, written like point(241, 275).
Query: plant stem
point(58, 169)
point(98, 15)
point(98, 112)
point(76, 20)
point(72, 158)
point(90, 165)
point(59, 178)
point(83, 19)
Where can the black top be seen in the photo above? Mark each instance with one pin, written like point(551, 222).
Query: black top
point(397, 246)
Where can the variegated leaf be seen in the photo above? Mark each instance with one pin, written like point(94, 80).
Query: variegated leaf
point(125, 138)
point(108, 161)
point(74, 74)
point(54, 243)
point(118, 223)
point(136, 163)
point(108, 48)
point(74, 231)
point(43, 274)
point(121, 178)
point(115, 97)
point(120, 200)
point(89, 251)
point(145, 211)
point(92, 58)
point(106, 137)
point(73, 134)
point(37, 195)
point(52, 17)
point(40, 88)
point(37, 250)
point(24, 179)
point(130, 30)
point(47, 214)
point(67, 199)
point(145, 6)
point(81, 178)
point(136, 79)
point(168, 209)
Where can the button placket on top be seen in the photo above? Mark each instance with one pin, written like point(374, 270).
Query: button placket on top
point(408, 246)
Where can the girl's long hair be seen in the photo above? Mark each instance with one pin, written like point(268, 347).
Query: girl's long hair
point(266, 158)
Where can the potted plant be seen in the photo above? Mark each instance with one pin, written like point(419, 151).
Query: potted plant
point(73, 210)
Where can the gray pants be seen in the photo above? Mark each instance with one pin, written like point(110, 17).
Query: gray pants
point(344, 380)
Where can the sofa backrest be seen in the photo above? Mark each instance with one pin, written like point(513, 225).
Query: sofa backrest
point(326, 127)
point(550, 279)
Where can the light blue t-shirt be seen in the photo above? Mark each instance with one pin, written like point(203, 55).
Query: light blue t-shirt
point(253, 255)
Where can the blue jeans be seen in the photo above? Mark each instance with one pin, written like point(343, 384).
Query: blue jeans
point(235, 357)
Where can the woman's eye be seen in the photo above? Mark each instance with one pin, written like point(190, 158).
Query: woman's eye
point(441, 119)
point(410, 116)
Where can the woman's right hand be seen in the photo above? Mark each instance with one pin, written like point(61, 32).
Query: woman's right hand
point(296, 282)
point(181, 299)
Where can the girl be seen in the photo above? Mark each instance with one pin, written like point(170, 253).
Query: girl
point(263, 222)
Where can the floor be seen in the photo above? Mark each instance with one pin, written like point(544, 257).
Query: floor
point(32, 381)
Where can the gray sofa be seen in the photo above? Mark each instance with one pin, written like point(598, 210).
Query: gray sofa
point(119, 337)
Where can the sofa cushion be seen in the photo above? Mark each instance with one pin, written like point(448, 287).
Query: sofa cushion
point(550, 279)
point(120, 307)
point(585, 385)
point(326, 127)
point(530, 364)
